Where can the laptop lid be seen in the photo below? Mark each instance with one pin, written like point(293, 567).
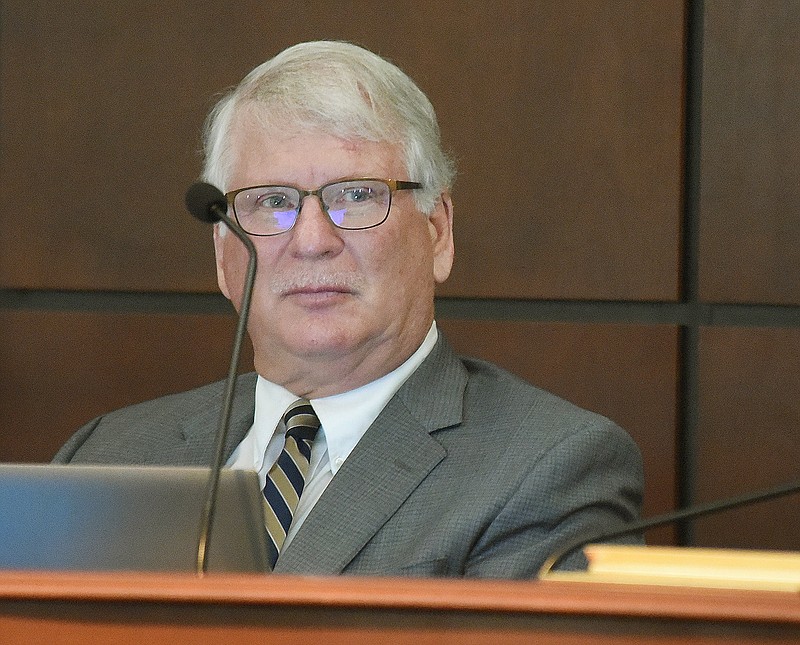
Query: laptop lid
point(138, 518)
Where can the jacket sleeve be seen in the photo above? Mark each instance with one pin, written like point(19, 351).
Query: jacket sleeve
point(74, 443)
point(586, 483)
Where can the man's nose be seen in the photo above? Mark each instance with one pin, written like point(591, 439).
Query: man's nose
point(314, 233)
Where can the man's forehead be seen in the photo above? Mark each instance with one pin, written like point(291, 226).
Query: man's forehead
point(258, 152)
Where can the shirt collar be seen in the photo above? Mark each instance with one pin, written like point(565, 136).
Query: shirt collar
point(344, 417)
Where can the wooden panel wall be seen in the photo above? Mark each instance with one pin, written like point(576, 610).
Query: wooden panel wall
point(62, 368)
point(748, 435)
point(578, 149)
point(750, 190)
point(575, 202)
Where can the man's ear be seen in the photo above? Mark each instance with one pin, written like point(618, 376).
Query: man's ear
point(441, 228)
point(219, 246)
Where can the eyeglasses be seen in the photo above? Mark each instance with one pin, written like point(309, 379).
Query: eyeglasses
point(351, 204)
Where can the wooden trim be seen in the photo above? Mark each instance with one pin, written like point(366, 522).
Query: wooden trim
point(551, 597)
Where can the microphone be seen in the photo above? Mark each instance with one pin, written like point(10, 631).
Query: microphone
point(208, 204)
point(660, 520)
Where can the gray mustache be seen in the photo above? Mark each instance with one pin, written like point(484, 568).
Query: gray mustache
point(315, 279)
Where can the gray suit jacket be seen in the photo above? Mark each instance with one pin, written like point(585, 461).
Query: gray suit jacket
point(468, 471)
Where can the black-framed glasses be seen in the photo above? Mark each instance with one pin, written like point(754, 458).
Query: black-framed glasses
point(351, 204)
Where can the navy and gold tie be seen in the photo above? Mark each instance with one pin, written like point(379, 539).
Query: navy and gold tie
point(286, 479)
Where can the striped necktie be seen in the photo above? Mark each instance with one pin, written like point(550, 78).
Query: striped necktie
point(287, 477)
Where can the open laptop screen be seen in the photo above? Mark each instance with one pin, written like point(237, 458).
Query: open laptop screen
point(133, 518)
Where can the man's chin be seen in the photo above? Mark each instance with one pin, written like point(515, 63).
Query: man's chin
point(322, 345)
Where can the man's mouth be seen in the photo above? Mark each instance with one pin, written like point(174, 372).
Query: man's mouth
point(317, 290)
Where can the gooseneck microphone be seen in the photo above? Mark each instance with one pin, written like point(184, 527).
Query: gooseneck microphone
point(669, 518)
point(209, 205)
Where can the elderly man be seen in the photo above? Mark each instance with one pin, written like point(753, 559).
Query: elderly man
point(380, 450)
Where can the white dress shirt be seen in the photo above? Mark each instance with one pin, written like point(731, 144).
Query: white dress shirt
point(344, 419)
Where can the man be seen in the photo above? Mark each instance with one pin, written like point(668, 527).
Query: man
point(421, 462)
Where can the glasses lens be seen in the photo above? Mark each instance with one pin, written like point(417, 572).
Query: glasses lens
point(267, 210)
point(357, 203)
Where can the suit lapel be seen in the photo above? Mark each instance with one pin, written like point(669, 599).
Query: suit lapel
point(200, 429)
point(386, 466)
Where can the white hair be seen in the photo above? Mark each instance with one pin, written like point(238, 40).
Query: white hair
point(339, 89)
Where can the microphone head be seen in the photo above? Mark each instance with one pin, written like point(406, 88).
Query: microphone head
point(204, 201)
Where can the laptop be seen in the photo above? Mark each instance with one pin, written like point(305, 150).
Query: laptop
point(134, 518)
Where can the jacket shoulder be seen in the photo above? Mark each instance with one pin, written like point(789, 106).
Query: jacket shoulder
point(155, 431)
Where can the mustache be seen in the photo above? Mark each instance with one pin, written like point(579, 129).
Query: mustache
point(314, 279)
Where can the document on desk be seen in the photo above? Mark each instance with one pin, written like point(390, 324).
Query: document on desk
point(689, 566)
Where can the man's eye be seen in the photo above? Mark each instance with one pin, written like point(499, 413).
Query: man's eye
point(272, 201)
point(357, 194)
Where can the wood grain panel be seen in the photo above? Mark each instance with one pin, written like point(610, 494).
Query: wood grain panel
point(565, 118)
point(625, 372)
point(750, 177)
point(101, 108)
point(60, 369)
point(159, 609)
point(749, 434)
point(568, 128)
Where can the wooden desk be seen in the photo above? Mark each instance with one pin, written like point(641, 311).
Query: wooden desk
point(155, 609)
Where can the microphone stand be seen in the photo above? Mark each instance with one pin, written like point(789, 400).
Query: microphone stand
point(207, 518)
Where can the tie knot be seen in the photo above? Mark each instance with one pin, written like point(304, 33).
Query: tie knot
point(301, 421)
